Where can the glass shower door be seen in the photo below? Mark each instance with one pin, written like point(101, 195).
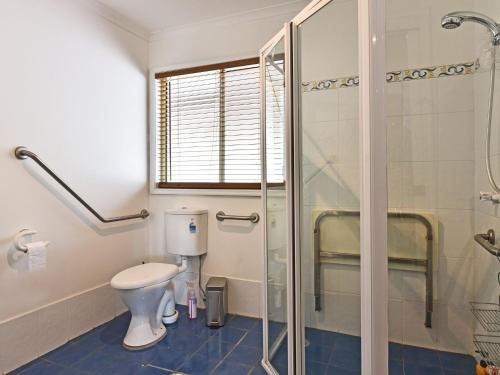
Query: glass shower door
point(328, 204)
point(275, 205)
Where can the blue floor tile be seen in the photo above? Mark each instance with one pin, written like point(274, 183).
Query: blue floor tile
point(182, 341)
point(395, 367)
point(347, 342)
point(315, 368)
point(320, 337)
point(115, 328)
point(67, 355)
point(275, 329)
point(192, 348)
point(416, 355)
point(242, 322)
point(230, 368)
point(258, 327)
point(198, 365)
point(195, 327)
point(253, 339)
point(215, 348)
point(282, 353)
point(229, 334)
point(318, 353)
point(332, 370)
point(258, 370)
point(280, 366)
point(147, 370)
point(460, 363)
point(40, 367)
point(170, 359)
point(89, 341)
point(419, 369)
point(101, 364)
point(346, 359)
point(395, 351)
point(246, 355)
point(115, 349)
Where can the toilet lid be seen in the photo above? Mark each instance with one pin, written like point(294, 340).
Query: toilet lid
point(144, 275)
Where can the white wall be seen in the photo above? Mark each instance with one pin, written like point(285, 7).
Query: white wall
point(235, 249)
point(74, 90)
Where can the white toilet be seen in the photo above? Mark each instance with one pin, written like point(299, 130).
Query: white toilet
point(147, 290)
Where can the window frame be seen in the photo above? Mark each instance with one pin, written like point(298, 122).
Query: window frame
point(192, 188)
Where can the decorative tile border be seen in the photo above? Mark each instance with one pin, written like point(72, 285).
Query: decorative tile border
point(396, 76)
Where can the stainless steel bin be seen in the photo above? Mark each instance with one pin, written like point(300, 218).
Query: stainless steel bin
point(216, 301)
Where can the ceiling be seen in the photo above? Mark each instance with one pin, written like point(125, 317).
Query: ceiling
point(156, 15)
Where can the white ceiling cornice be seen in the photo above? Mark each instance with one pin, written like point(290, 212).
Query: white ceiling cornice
point(116, 19)
point(243, 17)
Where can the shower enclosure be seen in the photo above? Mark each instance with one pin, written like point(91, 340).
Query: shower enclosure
point(374, 120)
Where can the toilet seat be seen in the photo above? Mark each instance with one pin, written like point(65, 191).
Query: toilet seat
point(144, 275)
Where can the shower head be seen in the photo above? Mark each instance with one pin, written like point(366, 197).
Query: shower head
point(455, 19)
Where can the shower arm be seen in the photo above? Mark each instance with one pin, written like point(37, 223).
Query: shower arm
point(22, 153)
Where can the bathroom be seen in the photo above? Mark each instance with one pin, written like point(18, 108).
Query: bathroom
point(353, 148)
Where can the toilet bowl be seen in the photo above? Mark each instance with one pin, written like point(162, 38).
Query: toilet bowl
point(147, 291)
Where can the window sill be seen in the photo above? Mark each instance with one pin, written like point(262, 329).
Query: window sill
point(207, 192)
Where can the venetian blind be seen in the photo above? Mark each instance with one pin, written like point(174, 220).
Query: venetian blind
point(208, 126)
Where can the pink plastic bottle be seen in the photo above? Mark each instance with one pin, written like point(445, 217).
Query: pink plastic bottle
point(192, 302)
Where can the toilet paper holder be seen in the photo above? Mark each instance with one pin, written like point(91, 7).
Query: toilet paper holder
point(18, 239)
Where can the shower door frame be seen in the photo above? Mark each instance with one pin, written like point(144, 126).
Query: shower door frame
point(283, 34)
point(373, 189)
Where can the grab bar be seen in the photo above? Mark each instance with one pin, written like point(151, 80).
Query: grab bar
point(427, 263)
point(253, 217)
point(487, 240)
point(22, 153)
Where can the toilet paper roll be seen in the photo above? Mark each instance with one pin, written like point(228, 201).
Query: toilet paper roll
point(37, 255)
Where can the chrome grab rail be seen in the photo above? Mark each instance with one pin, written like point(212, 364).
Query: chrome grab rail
point(487, 241)
point(427, 263)
point(253, 217)
point(22, 153)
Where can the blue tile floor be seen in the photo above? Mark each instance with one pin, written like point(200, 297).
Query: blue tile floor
point(236, 349)
point(331, 353)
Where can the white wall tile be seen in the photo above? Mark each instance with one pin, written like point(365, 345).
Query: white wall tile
point(456, 231)
point(320, 143)
point(396, 321)
point(455, 94)
point(322, 188)
point(395, 178)
point(20, 341)
point(456, 184)
point(349, 180)
point(415, 333)
point(394, 99)
point(349, 103)
point(244, 297)
point(455, 328)
point(340, 278)
point(54, 322)
point(419, 184)
point(419, 97)
point(456, 136)
point(455, 281)
point(348, 141)
point(320, 106)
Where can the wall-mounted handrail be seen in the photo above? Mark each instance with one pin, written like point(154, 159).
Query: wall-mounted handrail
point(427, 263)
point(487, 241)
point(22, 153)
point(253, 217)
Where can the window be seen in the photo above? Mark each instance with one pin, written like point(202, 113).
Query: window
point(208, 127)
